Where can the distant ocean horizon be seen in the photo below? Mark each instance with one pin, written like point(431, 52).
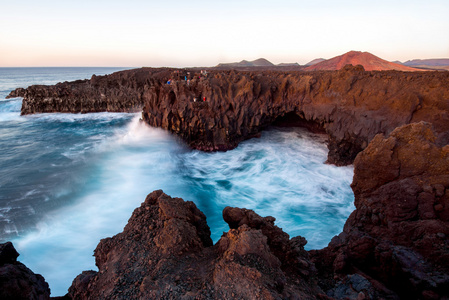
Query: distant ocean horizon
point(69, 180)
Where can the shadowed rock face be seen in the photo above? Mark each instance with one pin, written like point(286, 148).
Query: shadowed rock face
point(398, 233)
point(350, 105)
point(16, 280)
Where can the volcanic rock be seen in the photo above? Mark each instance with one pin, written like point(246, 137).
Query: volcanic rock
point(217, 110)
point(350, 105)
point(397, 236)
point(19, 92)
point(165, 252)
point(16, 280)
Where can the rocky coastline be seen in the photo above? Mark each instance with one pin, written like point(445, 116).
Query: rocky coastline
point(217, 109)
point(394, 128)
point(394, 245)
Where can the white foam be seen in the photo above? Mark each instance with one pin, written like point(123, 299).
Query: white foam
point(278, 175)
point(77, 117)
point(282, 176)
point(129, 165)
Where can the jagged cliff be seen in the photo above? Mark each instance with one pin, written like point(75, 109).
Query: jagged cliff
point(398, 234)
point(165, 252)
point(350, 105)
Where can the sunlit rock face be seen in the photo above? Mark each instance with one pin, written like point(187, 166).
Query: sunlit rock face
point(217, 110)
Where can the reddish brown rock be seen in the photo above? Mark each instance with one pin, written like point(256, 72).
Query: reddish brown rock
point(19, 92)
point(16, 280)
point(398, 233)
point(350, 105)
point(165, 252)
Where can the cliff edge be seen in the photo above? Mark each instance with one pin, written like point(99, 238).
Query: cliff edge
point(216, 110)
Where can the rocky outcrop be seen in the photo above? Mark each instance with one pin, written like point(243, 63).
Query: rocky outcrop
point(118, 92)
point(217, 110)
point(350, 105)
point(165, 252)
point(19, 92)
point(397, 238)
point(16, 280)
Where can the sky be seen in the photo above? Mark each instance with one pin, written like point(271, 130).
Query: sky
point(176, 33)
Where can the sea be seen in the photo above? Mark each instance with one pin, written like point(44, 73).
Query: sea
point(69, 180)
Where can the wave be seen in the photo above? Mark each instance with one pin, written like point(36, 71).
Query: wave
point(282, 174)
point(116, 160)
point(122, 170)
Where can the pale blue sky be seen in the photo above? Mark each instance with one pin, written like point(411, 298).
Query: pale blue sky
point(204, 33)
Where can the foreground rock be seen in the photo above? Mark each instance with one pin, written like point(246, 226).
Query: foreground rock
point(165, 252)
point(218, 110)
point(16, 280)
point(397, 238)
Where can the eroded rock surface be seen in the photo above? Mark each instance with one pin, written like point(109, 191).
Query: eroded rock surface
point(16, 280)
point(165, 252)
point(397, 238)
point(218, 110)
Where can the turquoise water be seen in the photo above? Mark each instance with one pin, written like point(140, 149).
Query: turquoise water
point(68, 180)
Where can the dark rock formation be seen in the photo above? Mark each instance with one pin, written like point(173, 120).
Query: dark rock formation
point(165, 252)
point(19, 92)
point(118, 92)
point(350, 105)
point(16, 280)
point(397, 238)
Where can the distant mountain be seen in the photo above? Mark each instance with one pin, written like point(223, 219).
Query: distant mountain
point(432, 64)
point(315, 61)
point(261, 62)
point(288, 65)
point(435, 62)
point(369, 61)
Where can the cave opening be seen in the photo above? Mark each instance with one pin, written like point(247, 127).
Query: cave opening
point(293, 119)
